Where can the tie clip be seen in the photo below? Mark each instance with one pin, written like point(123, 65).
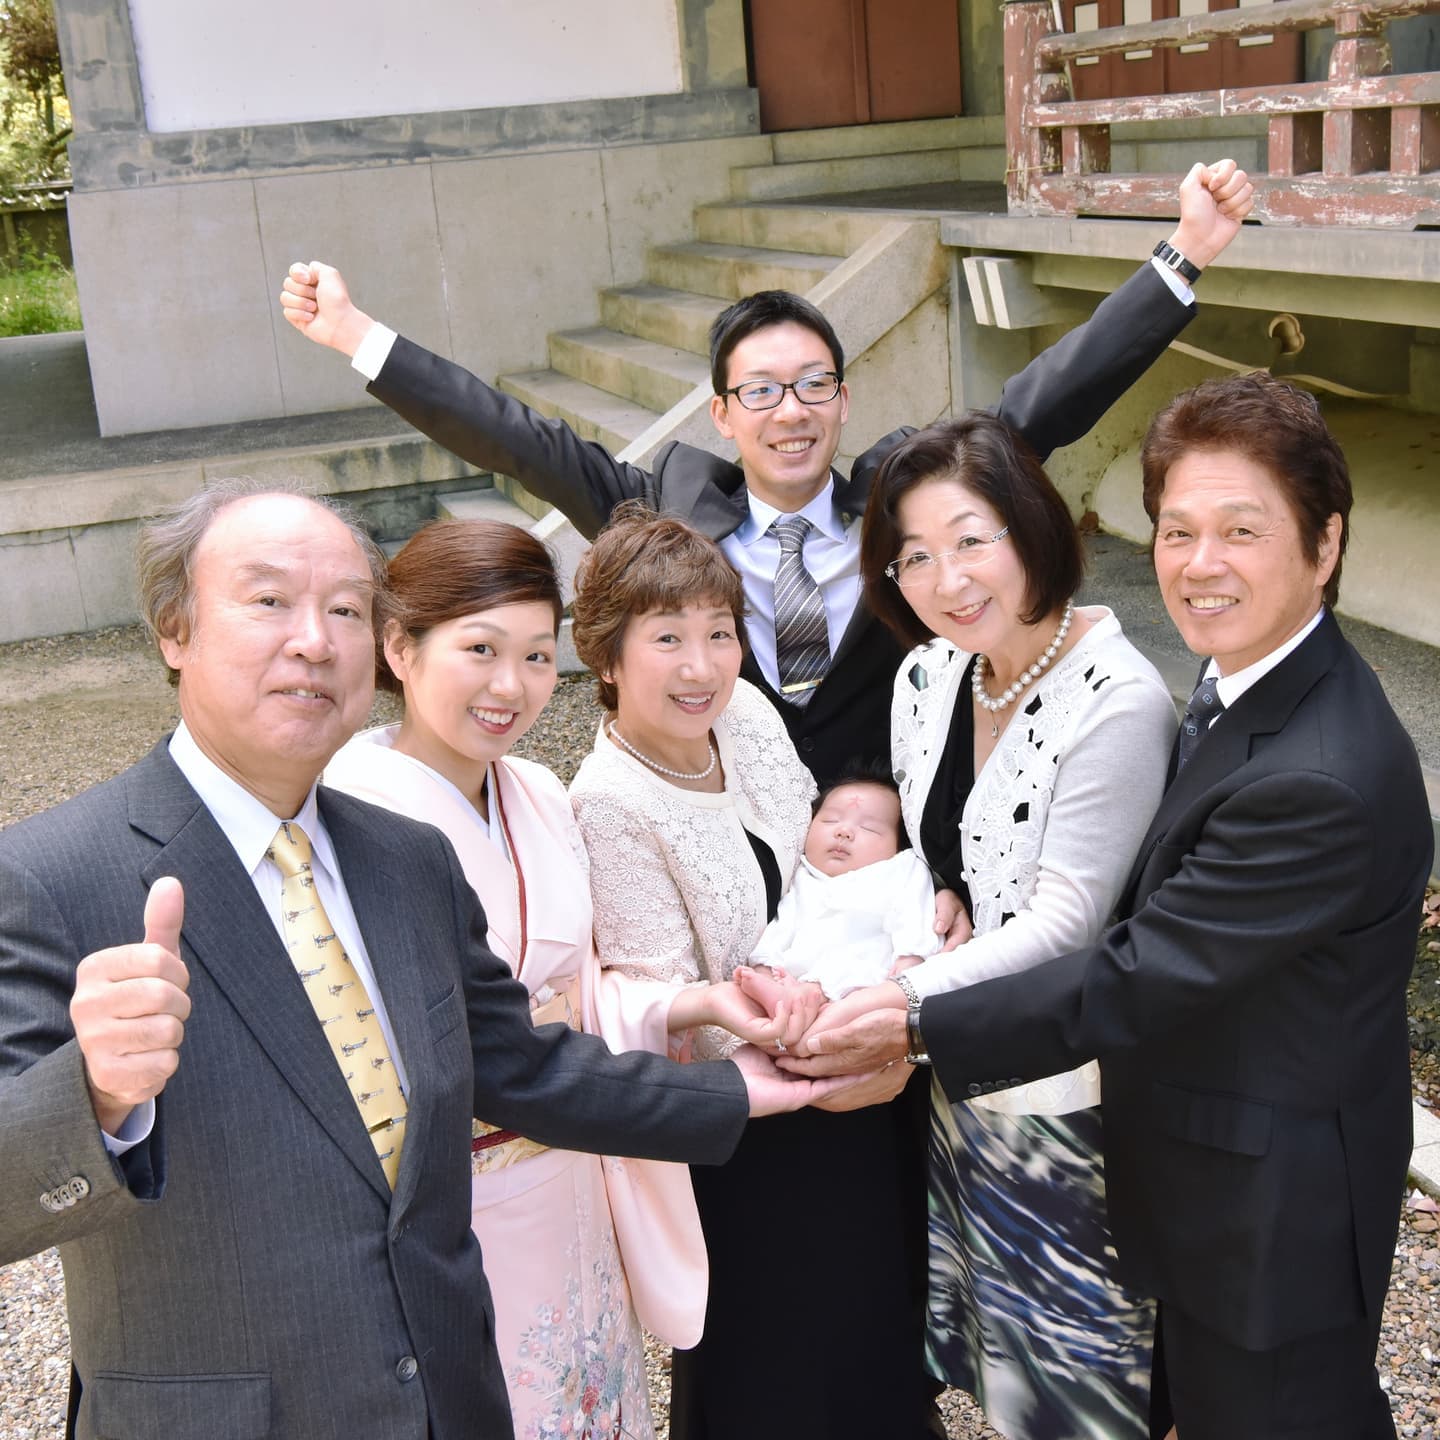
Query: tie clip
point(800, 685)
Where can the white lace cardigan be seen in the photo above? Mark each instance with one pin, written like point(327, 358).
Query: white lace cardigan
point(678, 894)
point(1054, 819)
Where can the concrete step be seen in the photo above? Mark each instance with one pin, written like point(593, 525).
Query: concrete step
point(655, 376)
point(812, 229)
point(677, 318)
point(487, 504)
point(730, 271)
point(843, 174)
point(592, 413)
point(888, 138)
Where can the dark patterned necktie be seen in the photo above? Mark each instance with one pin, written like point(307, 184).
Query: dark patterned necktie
point(1205, 704)
point(802, 639)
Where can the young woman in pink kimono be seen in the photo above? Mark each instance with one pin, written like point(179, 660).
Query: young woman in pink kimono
point(579, 1250)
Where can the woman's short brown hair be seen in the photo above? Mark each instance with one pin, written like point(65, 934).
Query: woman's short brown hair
point(458, 567)
point(641, 563)
point(1272, 423)
point(984, 455)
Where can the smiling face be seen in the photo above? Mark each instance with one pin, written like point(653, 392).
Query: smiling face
point(976, 608)
point(277, 664)
point(856, 825)
point(785, 452)
point(1232, 570)
point(473, 686)
point(675, 674)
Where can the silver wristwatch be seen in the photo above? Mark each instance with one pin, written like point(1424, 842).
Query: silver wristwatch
point(915, 1054)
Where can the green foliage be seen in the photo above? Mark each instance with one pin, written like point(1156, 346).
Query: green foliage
point(34, 114)
point(37, 296)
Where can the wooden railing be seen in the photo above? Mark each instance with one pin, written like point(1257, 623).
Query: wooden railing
point(1360, 148)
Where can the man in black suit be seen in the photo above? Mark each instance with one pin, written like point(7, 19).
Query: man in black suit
point(786, 441)
point(1249, 1014)
point(255, 1241)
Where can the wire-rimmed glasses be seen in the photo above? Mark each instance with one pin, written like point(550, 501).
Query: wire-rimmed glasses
point(920, 567)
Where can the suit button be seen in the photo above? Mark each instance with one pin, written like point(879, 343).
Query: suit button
point(407, 1369)
point(1017, 1079)
point(63, 1197)
point(976, 1089)
point(806, 745)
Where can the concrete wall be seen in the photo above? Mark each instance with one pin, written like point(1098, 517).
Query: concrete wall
point(477, 231)
point(210, 63)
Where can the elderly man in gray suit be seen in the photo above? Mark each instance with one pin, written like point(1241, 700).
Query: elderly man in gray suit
point(258, 1240)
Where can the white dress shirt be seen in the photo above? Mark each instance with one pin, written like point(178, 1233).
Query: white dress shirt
point(250, 827)
point(1231, 687)
point(831, 555)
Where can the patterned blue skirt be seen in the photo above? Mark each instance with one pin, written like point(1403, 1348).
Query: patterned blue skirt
point(1025, 1312)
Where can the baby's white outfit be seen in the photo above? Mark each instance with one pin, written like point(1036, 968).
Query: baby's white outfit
point(847, 931)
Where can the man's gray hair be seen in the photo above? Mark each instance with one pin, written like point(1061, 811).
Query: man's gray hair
point(165, 554)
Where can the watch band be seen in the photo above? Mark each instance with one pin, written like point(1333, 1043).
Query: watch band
point(1172, 259)
point(916, 1054)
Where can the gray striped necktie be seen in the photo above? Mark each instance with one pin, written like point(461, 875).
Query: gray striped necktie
point(802, 639)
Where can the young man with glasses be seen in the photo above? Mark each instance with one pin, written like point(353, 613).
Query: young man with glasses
point(787, 520)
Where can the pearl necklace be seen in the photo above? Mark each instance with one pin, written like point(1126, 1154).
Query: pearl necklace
point(704, 774)
point(1013, 691)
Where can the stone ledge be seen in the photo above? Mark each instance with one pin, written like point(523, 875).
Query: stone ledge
point(127, 160)
point(1346, 253)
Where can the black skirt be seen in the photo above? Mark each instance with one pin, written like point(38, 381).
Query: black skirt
point(815, 1322)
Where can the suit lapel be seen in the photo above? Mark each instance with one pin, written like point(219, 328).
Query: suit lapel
point(1263, 709)
point(229, 933)
point(706, 491)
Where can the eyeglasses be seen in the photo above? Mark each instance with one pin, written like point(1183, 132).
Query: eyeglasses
point(817, 389)
point(922, 568)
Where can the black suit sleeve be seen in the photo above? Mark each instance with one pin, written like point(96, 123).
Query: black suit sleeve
point(567, 1089)
point(1062, 393)
point(1280, 867)
point(496, 432)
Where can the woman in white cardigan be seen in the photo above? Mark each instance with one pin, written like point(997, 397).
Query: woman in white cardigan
point(1030, 741)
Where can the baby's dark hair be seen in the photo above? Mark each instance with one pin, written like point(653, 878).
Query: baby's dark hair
point(860, 772)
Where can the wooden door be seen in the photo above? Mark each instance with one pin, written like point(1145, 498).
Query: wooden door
point(849, 62)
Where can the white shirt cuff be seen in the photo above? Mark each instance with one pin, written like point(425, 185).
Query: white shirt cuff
point(374, 350)
point(136, 1129)
point(1182, 292)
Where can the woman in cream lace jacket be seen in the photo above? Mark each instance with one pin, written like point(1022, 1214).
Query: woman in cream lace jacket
point(694, 807)
point(1030, 742)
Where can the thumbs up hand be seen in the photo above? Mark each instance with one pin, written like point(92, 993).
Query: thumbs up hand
point(129, 1011)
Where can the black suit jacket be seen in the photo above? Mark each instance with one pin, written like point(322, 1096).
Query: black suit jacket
point(1055, 400)
point(1249, 1015)
point(247, 1271)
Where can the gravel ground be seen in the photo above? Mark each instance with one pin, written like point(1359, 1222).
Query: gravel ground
point(78, 709)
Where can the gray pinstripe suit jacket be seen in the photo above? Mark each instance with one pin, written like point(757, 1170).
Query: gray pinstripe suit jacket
point(247, 1272)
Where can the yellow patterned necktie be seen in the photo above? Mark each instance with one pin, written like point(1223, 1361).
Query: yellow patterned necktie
point(342, 1004)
